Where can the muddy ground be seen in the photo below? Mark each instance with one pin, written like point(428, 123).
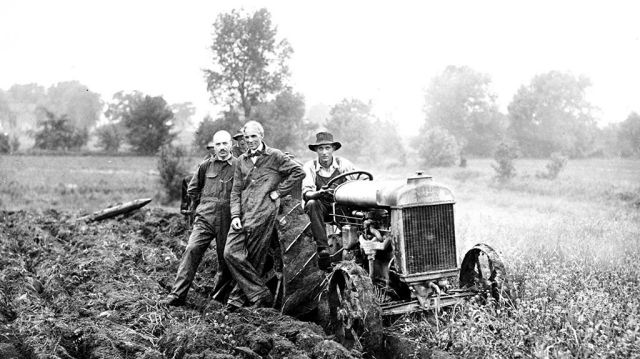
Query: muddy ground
point(71, 289)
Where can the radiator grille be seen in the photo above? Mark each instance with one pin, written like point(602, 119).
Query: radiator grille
point(430, 242)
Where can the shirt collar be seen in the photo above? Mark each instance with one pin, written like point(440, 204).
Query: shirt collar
point(262, 148)
point(228, 159)
point(332, 166)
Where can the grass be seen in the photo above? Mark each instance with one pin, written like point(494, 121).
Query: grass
point(77, 183)
point(571, 245)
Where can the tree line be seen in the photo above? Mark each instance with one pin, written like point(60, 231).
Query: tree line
point(549, 115)
point(248, 78)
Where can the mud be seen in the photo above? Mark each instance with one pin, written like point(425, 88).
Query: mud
point(70, 289)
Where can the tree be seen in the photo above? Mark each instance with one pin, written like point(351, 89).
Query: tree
point(182, 113)
point(81, 106)
point(388, 143)
point(7, 116)
point(438, 148)
point(551, 114)
point(351, 122)
point(5, 143)
point(283, 119)
point(228, 121)
point(110, 136)
point(121, 105)
point(148, 124)
point(24, 101)
point(249, 63)
point(57, 133)
point(460, 101)
point(629, 135)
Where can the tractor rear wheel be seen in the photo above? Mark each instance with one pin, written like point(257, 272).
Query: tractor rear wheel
point(355, 317)
point(482, 270)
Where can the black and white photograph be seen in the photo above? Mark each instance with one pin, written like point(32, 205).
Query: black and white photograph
point(336, 179)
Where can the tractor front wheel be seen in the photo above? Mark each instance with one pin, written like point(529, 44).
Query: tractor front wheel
point(482, 270)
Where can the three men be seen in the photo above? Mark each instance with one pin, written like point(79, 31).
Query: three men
point(318, 173)
point(209, 190)
point(262, 176)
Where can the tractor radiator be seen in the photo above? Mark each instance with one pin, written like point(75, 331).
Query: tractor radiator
point(429, 238)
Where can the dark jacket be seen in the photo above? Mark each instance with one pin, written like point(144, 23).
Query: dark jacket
point(252, 184)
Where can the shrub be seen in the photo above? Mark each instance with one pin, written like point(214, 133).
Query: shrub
point(555, 165)
point(172, 169)
point(438, 148)
point(15, 144)
point(504, 156)
point(5, 146)
point(110, 137)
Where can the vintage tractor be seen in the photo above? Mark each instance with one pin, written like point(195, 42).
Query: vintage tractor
point(393, 252)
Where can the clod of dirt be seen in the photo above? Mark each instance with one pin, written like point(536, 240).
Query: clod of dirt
point(91, 290)
point(328, 349)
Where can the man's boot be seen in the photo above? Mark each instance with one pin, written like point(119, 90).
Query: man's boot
point(172, 300)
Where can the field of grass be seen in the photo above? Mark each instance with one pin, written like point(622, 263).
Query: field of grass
point(77, 183)
point(571, 245)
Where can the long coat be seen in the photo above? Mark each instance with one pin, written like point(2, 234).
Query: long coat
point(246, 249)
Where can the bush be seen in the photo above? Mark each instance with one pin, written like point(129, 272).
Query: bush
point(504, 156)
point(5, 146)
point(438, 148)
point(110, 137)
point(172, 169)
point(15, 144)
point(554, 166)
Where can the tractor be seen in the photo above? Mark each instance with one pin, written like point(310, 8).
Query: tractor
point(393, 251)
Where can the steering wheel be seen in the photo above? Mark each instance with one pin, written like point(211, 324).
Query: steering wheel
point(360, 174)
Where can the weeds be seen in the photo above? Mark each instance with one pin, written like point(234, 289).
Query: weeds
point(171, 169)
point(504, 156)
point(556, 164)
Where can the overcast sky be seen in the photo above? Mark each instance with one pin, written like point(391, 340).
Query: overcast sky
point(380, 51)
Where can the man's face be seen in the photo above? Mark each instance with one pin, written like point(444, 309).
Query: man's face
point(222, 144)
point(211, 150)
point(325, 154)
point(252, 138)
point(242, 145)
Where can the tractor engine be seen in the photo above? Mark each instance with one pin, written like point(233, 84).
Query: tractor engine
point(403, 234)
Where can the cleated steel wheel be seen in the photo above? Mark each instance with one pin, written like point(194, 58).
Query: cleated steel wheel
point(483, 271)
point(355, 317)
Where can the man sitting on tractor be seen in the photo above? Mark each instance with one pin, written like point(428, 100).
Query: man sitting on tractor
point(317, 199)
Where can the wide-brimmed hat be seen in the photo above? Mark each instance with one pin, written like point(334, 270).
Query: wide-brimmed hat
point(238, 136)
point(324, 138)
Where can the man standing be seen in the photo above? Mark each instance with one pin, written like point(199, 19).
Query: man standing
point(318, 173)
point(209, 190)
point(186, 207)
point(262, 176)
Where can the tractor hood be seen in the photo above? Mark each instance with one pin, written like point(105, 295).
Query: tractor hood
point(417, 190)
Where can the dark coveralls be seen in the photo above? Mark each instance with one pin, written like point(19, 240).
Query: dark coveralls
point(246, 249)
point(318, 209)
point(210, 189)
